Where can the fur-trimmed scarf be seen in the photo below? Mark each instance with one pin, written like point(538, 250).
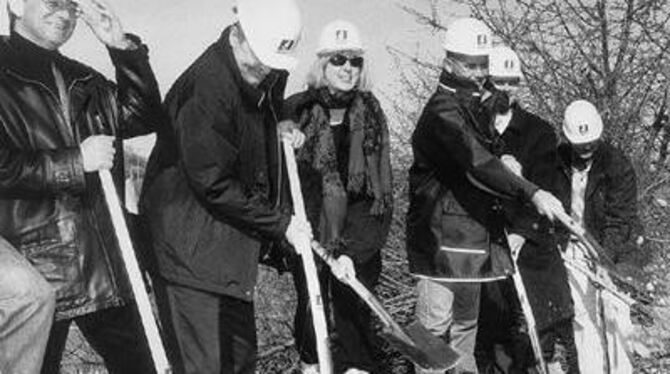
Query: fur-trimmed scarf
point(369, 167)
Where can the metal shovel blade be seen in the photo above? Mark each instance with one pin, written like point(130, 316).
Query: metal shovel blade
point(423, 348)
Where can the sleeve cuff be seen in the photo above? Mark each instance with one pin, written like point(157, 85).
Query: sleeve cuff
point(67, 170)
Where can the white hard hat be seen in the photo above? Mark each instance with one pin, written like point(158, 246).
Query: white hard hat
point(504, 63)
point(272, 28)
point(582, 122)
point(468, 36)
point(340, 35)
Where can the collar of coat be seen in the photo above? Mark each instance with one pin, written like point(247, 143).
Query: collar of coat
point(272, 85)
point(458, 85)
point(597, 170)
point(32, 62)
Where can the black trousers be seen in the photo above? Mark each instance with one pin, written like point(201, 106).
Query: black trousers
point(501, 321)
point(350, 320)
point(116, 334)
point(206, 333)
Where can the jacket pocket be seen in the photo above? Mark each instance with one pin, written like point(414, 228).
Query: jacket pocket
point(464, 244)
point(459, 232)
point(52, 249)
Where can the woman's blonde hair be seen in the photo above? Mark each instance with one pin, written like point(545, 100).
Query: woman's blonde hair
point(316, 75)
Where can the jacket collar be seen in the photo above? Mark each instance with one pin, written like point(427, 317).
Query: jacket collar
point(596, 171)
point(458, 85)
point(30, 61)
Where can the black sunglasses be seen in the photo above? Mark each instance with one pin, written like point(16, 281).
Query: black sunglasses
point(339, 60)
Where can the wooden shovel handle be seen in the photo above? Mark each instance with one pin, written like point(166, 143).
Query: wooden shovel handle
point(132, 268)
point(312, 280)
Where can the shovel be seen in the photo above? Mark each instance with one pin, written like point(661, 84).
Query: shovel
point(415, 342)
point(312, 280)
point(132, 268)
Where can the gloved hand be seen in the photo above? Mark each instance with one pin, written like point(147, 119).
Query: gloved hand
point(289, 131)
point(512, 164)
point(547, 204)
point(299, 235)
point(343, 268)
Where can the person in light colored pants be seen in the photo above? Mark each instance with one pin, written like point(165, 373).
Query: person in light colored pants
point(27, 305)
point(602, 322)
point(450, 308)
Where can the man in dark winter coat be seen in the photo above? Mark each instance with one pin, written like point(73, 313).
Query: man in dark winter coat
point(598, 184)
point(455, 231)
point(60, 122)
point(215, 190)
point(527, 145)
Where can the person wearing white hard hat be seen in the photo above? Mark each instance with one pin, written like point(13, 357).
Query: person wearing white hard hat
point(215, 197)
point(60, 123)
point(346, 173)
point(598, 184)
point(526, 144)
point(455, 232)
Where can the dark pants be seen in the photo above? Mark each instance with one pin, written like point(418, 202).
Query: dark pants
point(115, 333)
point(207, 333)
point(352, 336)
point(501, 321)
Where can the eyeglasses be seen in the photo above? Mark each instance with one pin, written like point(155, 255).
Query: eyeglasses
point(56, 5)
point(339, 60)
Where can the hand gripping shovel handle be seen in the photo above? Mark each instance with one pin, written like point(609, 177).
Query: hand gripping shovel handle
point(418, 344)
point(132, 268)
point(367, 296)
point(313, 287)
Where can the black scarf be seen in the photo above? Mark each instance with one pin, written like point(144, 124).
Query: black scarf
point(369, 166)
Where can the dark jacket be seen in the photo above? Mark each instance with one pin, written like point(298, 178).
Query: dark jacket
point(610, 207)
point(214, 183)
point(50, 210)
point(533, 142)
point(454, 226)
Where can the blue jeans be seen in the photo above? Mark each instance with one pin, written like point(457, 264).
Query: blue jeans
point(451, 308)
point(27, 305)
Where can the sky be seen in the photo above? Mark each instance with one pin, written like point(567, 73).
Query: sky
point(177, 31)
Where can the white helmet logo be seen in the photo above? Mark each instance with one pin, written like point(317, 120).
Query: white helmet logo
point(583, 129)
point(482, 40)
point(286, 45)
point(341, 35)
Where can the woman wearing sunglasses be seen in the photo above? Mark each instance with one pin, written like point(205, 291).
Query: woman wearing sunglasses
point(345, 171)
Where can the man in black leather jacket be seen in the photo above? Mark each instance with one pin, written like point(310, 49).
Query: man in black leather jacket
point(59, 124)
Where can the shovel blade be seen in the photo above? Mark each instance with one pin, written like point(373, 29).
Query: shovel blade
point(424, 348)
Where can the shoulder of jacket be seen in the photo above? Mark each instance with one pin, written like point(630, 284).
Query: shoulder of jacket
point(443, 100)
